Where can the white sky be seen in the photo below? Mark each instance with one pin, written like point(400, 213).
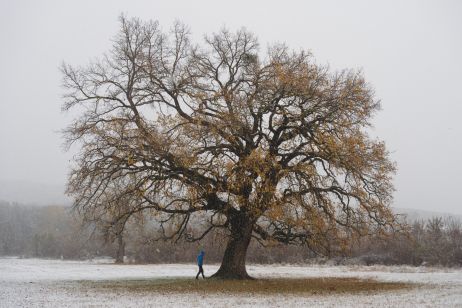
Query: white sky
point(410, 51)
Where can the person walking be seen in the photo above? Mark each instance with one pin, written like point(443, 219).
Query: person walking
point(200, 262)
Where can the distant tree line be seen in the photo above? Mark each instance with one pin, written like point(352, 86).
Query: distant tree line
point(48, 232)
point(435, 241)
point(56, 232)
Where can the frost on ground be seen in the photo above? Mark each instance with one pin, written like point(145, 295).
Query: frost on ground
point(55, 283)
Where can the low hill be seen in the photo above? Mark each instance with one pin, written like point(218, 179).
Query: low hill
point(415, 214)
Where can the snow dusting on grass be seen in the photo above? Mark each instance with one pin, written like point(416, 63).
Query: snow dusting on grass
point(56, 283)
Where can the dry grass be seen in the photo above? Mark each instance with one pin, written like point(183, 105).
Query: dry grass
point(260, 286)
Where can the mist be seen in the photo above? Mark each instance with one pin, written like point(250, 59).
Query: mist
point(409, 52)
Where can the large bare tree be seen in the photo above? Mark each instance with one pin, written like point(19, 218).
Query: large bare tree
point(268, 144)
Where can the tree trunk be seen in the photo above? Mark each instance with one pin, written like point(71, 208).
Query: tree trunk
point(120, 249)
point(233, 263)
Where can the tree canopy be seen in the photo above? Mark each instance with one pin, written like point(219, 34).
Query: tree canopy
point(264, 144)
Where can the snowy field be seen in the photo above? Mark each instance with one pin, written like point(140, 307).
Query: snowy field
point(56, 283)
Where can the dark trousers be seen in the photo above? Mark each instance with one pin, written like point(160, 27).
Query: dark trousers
point(201, 271)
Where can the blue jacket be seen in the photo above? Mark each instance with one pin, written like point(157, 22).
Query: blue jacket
point(200, 258)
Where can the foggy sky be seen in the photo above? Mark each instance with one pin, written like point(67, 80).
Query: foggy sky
point(410, 51)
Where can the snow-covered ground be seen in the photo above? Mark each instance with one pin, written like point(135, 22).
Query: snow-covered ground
point(55, 283)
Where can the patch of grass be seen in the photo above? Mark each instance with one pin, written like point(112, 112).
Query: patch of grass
point(308, 286)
